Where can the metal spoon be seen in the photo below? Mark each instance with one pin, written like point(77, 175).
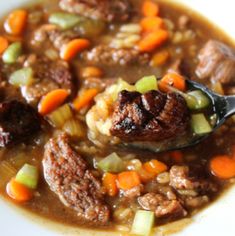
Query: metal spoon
point(222, 106)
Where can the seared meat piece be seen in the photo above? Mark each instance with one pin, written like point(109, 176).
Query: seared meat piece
point(18, 122)
point(57, 71)
point(152, 116)
point(183, 178)
point(54, 34)
point(217, 62)
point(50, 75)
point(70, 178)
point(106, 55)
point(106, 10)
point(162, 206)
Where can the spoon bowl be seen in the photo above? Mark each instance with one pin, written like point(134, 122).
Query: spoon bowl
point(222, 106)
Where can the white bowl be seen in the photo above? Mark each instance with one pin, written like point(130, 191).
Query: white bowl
point(217, 219)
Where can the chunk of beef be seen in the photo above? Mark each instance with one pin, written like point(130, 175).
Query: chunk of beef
point(18, 122)
point(217, 62)
point(106, 55)
point(106, 10)
point(52, 32)
point(162, 206)
point(50, 75)
point(152, 116)
point(70, 178)
point(183, 178)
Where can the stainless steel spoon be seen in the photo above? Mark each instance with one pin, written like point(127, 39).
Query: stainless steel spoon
point(222, 106)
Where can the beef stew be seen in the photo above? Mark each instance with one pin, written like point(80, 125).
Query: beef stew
point(79, 89)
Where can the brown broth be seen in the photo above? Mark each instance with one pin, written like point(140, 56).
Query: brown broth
point(46, 203)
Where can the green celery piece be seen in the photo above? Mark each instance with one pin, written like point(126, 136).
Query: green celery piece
point(58, 117)
point(190, 100)
point(146, 84)
point(64, 20)
point(199, 124)
point(143, 223)
point(202, 100)
point(12, 53)
point(73, 128)
point(112, 163)
point(28, 176)
point(22, 77)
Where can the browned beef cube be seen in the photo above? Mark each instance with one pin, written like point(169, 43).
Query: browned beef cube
point(185, 178)
point(69, 177)
point(106, 55)
point(106, 10)
point(217, 62)
point(18, 122)
point(50, 75)
point(162, 206)
point(152, 116)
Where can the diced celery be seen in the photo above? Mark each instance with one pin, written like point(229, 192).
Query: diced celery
point(200, 125)
point(64, 20)
point(190, 100)
point(22, 77)
point(112, 163)
point(146, 84)
point(12, 53)
point(28, 176)
point(202, 101)
point(90, 28)
point(73, 128)
point(58, 117)
point(7, 171)
point(143, 223)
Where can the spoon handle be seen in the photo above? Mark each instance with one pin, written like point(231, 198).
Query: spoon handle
point(230, 105)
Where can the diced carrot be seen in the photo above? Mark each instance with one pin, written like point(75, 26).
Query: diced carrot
point(128, 180)
point(84, 98)
point(150, 8)
point(159, 58)
point(52, 100)
point(145, 176)
point(110, 184)
point(177, 156)
point(155, 167)
point(16, 22)
point(223, 167)
point(72, 48)
point(18, 191)
point(91, 71)
point(153, 40)
point(151, 23)
point(174, 80)
point(3, 44)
